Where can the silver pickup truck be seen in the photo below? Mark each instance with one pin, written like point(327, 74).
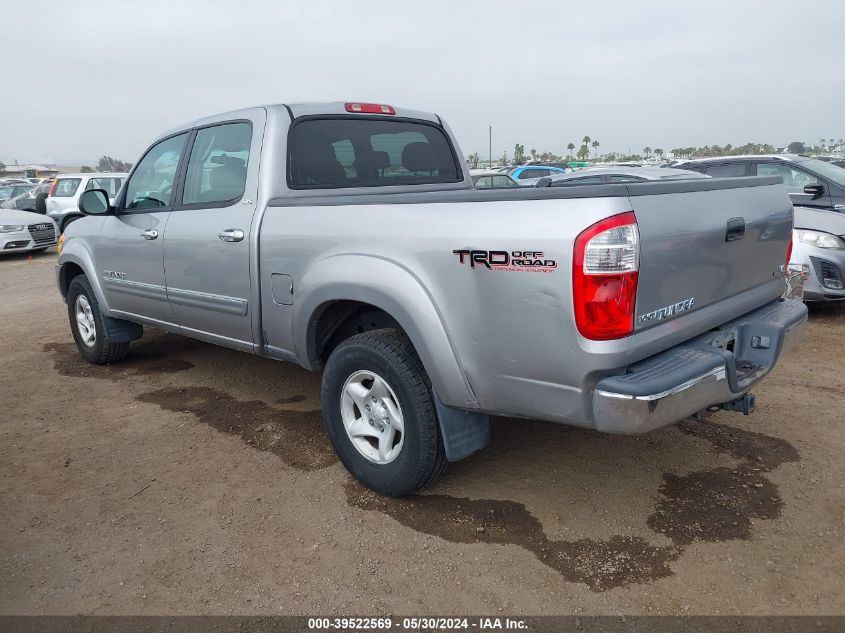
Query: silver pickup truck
point(348, 238)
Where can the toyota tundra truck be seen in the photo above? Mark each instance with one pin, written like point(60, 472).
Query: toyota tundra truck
point(348, 238)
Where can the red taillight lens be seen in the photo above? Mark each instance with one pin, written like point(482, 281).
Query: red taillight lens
point(52, 188)
point(789, 248)
point(605, 268)
point(369, 108)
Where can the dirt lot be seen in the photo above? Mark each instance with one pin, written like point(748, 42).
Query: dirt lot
point(194, 479)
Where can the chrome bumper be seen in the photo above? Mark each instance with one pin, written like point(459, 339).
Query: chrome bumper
point(710, 370)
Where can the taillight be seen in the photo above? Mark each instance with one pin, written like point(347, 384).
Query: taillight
point(789, 248)
point(52, 188)
point(369, 108)
point(604, 277)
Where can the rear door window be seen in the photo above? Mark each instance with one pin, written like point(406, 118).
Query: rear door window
point(326, 153)
point(217, 167)
point(485, 182)
point(66, 187)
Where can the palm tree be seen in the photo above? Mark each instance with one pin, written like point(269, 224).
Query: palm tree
point(570, 147)
point(659, 152)
point(646, 151)
point(595, 150)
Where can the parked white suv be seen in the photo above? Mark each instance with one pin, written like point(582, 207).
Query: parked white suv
point(63, 200)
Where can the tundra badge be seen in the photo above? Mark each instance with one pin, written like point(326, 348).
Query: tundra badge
point(667, 311)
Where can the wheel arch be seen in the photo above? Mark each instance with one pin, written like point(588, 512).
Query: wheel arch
point(75, 261)
point(345, 285)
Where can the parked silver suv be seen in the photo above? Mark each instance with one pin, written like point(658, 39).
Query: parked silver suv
point(63, 200)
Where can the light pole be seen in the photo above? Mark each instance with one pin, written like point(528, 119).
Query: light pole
point(490, 148)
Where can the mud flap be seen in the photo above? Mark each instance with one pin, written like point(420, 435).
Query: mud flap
point(120, 331)
point(464, 432)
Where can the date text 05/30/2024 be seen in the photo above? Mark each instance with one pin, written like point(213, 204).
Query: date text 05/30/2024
point(416, 624)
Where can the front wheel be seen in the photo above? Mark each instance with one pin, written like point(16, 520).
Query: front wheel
point(379, 413)
point(88, 325)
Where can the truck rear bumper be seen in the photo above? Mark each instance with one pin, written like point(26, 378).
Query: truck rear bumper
point(710, 370)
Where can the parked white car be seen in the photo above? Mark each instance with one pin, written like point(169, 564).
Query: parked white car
point(23, 231)
point(63, 200)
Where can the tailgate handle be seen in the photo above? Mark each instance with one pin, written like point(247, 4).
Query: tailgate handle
point(735, 230)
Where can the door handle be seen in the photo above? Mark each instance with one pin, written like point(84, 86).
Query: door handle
point(735, 230)
point(150, 234)
point(231, 235)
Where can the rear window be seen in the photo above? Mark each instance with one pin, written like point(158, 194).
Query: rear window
point(66, 187)
point(352, 152)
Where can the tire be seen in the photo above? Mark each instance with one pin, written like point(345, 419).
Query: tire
point(97, 349)
point(415, 457)
point(67, 222)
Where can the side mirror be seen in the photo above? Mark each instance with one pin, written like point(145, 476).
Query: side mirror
point(94, 202)
point(814, 190)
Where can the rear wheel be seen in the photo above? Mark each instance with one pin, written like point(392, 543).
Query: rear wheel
point(379, 413)
point(88, 326)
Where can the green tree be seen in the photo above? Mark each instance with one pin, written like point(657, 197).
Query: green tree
point(85, 169)
point(658, 152)
point(570, 147)
point(647, 152)
point(2, 168)
point(596, 150)
point(518, 154)
point(109, 164)
point(584, 152)
point(533, 154)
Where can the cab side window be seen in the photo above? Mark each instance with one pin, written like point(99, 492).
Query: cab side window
point(151, 185)
point(217, 167)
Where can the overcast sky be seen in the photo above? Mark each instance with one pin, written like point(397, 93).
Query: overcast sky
point(86, 78)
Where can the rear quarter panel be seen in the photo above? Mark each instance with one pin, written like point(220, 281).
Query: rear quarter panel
point(512, 333)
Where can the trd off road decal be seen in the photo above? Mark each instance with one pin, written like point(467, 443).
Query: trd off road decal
point(513, 261)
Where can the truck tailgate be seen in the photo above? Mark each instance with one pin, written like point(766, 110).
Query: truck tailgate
point(706, 241)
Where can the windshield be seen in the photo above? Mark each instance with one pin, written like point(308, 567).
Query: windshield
point(825, 170)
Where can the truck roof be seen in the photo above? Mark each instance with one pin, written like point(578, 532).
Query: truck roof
point(297, 110)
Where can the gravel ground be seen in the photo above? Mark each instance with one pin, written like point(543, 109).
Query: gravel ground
point(191, 479)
